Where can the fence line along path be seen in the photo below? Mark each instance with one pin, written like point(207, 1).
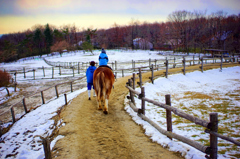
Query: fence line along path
point(91, 134)
point(211, 125)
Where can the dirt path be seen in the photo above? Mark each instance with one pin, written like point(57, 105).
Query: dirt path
point(91, 134)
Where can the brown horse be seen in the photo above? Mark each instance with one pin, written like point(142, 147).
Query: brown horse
point(103, 79)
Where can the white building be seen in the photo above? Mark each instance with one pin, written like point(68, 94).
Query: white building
point(143, 44)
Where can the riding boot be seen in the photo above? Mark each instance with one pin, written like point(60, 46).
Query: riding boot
point(89, 94)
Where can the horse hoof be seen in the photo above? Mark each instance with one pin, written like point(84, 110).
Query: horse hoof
point(105, 112)
point(99, 108)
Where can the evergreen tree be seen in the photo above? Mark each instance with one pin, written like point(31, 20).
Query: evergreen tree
point(87, 46)
point(48, 38)
point(89, 34)
point(37, 38)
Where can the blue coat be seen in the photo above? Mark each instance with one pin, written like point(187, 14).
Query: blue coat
point(89, 73)
point(103, 59)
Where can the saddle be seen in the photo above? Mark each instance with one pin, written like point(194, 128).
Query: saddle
point(106, 66)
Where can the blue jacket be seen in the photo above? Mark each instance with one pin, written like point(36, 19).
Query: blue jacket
point(89, 73)
point(103, 59)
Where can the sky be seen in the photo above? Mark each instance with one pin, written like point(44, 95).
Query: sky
point(20, 15)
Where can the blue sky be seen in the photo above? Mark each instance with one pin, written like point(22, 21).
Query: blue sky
point(20, 15)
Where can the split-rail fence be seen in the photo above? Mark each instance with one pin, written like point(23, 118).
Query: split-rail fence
point(211, 125)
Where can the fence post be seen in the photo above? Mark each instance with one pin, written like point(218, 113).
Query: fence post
point(73, 70)
point(213, 138)
point(115, 65)
point(131, 94)
point(199, 59)
point(24, 105)
point(193, 59)
point(143, 101)
point(133, 79)
point(112, 65)
point(56, 89)
point(15, 76)
point(24, 72)
point(13, 115)
point(78, 68)
point(46, 147)
point(115, 75)
point(183, 61)
point(42, 95)
point(60, 70)
point(7, 91)
point(122, 73)
point(149, 62)
point(65, 95)
point(52, 72)
point(33, 74)
point(134, 65)
point(166, 74)
point(152, 74)
point(140, 78)
point(221, 62)
point(43, 72)
point(168, 113)
point(202, 65)
point(155, 62)
point(15, 87)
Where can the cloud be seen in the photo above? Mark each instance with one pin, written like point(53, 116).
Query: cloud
point(90, 11)
point(229, 4)
point(125, 7)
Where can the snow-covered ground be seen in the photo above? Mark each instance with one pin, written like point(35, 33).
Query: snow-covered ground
point(195, 93)
point(21, 140)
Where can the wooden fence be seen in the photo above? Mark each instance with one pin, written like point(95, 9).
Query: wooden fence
point(152, 65)
point(43, 100)
point(76, 68)
point(203, 61)
point(211, 125)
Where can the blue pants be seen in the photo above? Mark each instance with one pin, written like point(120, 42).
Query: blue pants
point(89, 86)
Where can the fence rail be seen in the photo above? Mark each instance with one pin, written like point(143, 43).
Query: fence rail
point(153, 65)
point(23, 100)
point(76, 68)
point(211, 125)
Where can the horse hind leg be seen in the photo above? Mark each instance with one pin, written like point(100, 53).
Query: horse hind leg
point(99, 102)
point(105, 108)
point(99, 105)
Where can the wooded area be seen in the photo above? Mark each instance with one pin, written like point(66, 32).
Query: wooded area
point(184, 31)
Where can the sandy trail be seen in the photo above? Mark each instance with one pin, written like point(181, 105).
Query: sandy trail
point(91, 134)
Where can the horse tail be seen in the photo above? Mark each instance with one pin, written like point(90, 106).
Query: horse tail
point(101, 86)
